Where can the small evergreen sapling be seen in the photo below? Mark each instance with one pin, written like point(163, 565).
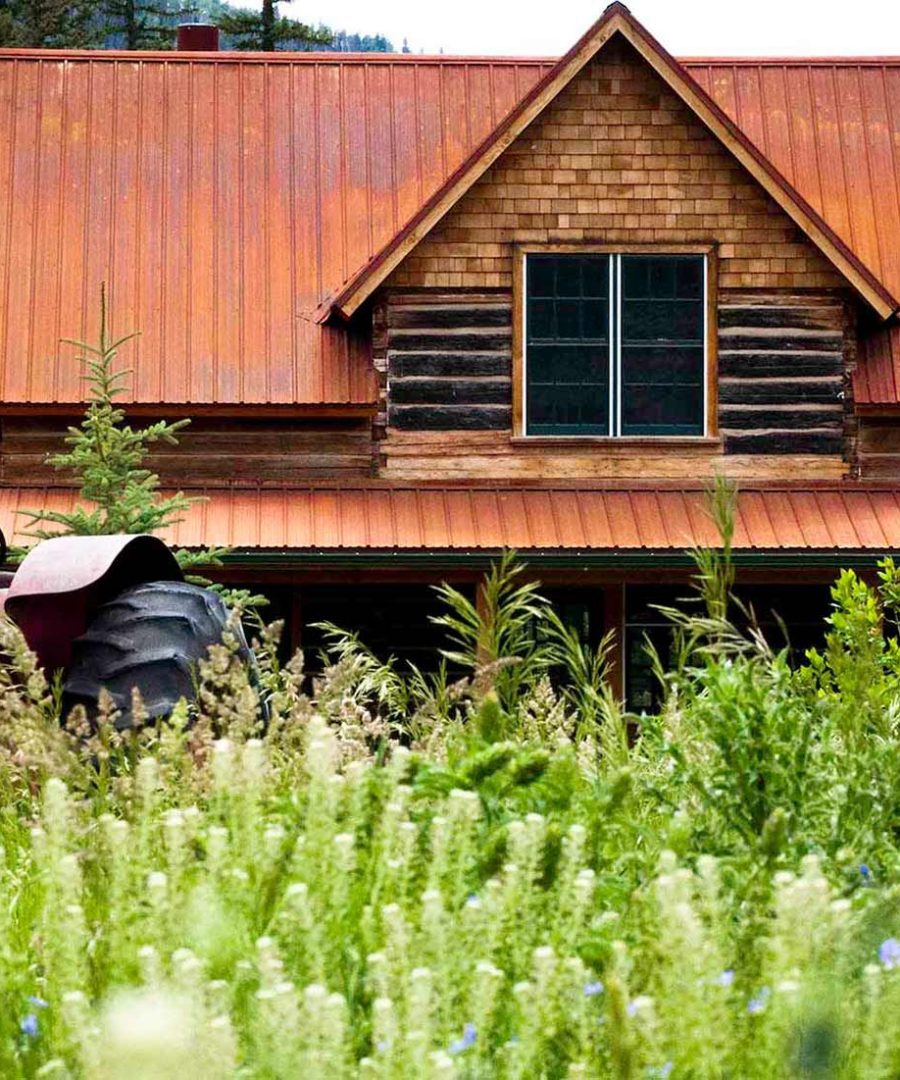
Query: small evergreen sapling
point(107, 456)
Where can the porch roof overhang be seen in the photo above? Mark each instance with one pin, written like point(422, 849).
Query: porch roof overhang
point(553, 524)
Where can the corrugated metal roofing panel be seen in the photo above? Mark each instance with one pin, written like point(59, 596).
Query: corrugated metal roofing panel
point(813, 518)
point(875, 380)
point(221, 197)
point(830, 126)
point(224, 196)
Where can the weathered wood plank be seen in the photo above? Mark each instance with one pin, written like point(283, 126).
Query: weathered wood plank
point(209, 451)
point(449, 417)
point(756, 365)
point(880, 466)
point(602, 464)
point(446, 363)
point(788, 417)
point(769, 315)
point(785, 442)
point(429, 317)
point(451, 391)
point(775, 391)
point(879, 437)
point(781, 338)
point(487, 339)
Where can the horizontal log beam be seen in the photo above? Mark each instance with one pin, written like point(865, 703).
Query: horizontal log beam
point(450, 417)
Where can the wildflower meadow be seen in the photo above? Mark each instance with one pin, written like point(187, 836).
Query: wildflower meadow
point(491, 871)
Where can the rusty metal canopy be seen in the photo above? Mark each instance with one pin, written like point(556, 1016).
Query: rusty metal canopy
point(407, 518)
point(223, 197)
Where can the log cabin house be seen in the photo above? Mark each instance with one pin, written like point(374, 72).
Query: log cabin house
point(423, 309)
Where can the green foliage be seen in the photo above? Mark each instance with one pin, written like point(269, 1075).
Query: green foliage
point(106, 454)
point(477, 874)
point(47, 24)
point(265, 30)
point(141, 24)
point(341, 41)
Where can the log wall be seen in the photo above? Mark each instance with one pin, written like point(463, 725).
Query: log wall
point(780, 389)
point(210, 451)
point(781, 371)
point(449, 362)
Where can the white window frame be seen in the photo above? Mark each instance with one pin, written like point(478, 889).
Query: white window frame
point(614, 419)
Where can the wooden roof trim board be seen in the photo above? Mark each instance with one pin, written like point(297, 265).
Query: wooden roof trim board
point(816, 520)
point(616, 19)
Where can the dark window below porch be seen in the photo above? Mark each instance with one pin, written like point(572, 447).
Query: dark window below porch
point(800, 608)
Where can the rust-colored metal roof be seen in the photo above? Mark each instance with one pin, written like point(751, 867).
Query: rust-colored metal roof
point(876, 380)
point(832, 127)
point(224, 196)
point(221, 197)
point(617, 20)
point(553, 517)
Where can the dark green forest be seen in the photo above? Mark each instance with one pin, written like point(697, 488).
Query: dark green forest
point(152, 24)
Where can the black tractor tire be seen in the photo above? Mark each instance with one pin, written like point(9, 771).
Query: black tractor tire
point(149, 636)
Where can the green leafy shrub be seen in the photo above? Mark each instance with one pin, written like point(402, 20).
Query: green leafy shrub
point(477, 876)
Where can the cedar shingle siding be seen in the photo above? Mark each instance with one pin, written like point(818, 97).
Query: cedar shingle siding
point(616, 158)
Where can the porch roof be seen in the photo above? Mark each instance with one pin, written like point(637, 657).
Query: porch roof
point(810, 518)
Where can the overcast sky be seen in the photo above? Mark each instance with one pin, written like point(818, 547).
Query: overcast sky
point(685, 27)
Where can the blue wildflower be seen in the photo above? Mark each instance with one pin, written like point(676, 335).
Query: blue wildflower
point(756, 1004)
point(631, 1008)
point(864, 871)
point(37, 1002)
point(29, 1026)
point(467, 1040)
point(383, 1046)
point(592, 989)
point(725, 979)
point(889, 952)
point(659, 1072)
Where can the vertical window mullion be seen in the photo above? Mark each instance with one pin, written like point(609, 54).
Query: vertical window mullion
point(705, 346)
point(611, 407)
point(524, 328)
point(618, 349)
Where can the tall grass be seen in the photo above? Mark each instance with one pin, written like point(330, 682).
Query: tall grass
point(404, 875)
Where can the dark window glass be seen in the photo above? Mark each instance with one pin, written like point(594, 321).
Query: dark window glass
point(662, 348)
point(389, 621)
point(567, 345)
point(661, 371)
point(790, 617)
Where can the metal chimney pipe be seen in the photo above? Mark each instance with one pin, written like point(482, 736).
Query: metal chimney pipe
point(198, 37)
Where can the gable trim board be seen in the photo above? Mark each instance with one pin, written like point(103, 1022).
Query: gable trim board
point(616, 20)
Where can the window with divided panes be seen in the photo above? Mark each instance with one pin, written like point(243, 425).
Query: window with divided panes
point(615, 345)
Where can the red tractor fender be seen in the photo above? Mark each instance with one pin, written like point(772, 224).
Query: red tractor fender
point(62, 581)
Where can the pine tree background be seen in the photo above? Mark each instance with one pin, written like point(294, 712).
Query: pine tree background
point(153, 24)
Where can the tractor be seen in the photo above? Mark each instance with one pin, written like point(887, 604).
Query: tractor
point(114, 612)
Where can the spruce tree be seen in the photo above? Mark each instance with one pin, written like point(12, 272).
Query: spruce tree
point(141, 24)
point(106, 454)
point(266, 30)
point(48, 24)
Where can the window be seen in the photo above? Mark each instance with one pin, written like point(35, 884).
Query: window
point(615, 345)
point(790, 617)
